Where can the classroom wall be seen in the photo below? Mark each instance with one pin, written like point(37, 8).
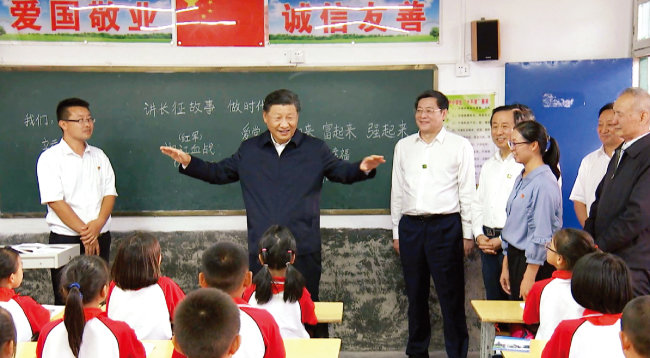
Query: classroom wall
point(531, 30)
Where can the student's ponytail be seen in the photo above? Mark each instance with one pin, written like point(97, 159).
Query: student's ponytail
point(263, 281)
point(73, 318)
point(552, 157)
point(294, 283)
point(82, 281)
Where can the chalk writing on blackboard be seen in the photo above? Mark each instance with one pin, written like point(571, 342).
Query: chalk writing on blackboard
point(37, 120)
point(245, 106)
point(192, 142)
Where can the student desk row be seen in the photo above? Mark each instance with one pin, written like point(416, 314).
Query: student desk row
point(491, 312)
point(295, 348)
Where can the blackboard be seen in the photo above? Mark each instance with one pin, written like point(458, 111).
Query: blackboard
point(208, 112)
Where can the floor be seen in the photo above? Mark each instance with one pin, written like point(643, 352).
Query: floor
point(436, 354)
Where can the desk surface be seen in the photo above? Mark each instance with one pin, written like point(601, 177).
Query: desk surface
point(38, 256)
point(312, 348)
point(499, 311)
point(329, 312)
point(536, 348)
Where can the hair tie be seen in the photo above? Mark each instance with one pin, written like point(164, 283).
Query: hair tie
point(288, 263)
point(264, 249)
point(74, 284)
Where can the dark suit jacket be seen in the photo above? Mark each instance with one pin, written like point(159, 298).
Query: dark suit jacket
point(283, 190)
point(619, 219)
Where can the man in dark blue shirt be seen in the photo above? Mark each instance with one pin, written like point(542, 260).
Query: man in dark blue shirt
point(281, 173)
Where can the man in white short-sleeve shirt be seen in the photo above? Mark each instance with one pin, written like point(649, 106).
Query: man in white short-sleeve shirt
point(594, 165)
point(77, 183)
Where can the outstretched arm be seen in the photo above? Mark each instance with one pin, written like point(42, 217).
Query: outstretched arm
point(371, 162)
point(176, 154)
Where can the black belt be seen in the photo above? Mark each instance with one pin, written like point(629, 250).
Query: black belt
point(428, 217)
point(492, 232)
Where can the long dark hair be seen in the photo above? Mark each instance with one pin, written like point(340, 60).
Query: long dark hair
point(276, 248)
point(82, 280)
point(136, 263)
point(601, 282)
point(7, 329)
point(535, 132)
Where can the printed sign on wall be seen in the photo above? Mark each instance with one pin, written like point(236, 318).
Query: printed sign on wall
point(350, 21)
point(84, 20)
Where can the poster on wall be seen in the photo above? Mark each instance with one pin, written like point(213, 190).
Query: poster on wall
point(469, 116)
point(353, 21)
point(220, 23)
point(86, 20)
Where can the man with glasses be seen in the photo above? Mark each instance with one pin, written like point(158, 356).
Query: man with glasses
point(433, 187)
point(77, 183)
point(619, 219)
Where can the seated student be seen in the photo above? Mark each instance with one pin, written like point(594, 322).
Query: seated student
point(601, 284)
point(635, 328)
point(29, 317)
point(138, 294)
point(7, 335)
point(279, 287)
point(206, 325)
point(85, 331)
point(550, 301)
point(225, 266)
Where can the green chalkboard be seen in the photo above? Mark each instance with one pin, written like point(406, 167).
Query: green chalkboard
point(357, 111)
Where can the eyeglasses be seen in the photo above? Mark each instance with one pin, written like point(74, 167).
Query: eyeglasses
point(419, 111)
point(548, 247)
point(512, 145)
point(81, 121)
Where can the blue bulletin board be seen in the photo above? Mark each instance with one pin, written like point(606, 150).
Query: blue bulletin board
point(565, 97)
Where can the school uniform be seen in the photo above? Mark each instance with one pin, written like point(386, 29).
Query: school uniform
point(29, 316)
point(290, 316)
point(102, 338)
point(149, 310)
point(260, 335)
point(593, 335)
point(550, 302)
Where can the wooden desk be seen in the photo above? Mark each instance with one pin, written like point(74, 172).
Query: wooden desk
point(329, 312)
point(536, 348)
point(491, 312)
point(312, 348)
point(162, 349)
point(38, 256)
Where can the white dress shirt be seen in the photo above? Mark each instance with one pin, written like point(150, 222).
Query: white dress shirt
point(433, 178)
point(494, 186)
point(81, 181)
point(592, 169)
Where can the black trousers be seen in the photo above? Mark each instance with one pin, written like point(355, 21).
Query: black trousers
point(491, 268)
point(104, 252)
point(517, 266)
point(310, 267)
point(433, 247)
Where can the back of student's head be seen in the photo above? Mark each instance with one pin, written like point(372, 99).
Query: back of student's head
point(635, 323)
point(82, 281)
point(533, 131)
point(8, 262)
point(601, 282)
point(277, 249)
point(224, 266)
point(572, 244)
point(7, 334)
point(136, 264)
point(206, 323)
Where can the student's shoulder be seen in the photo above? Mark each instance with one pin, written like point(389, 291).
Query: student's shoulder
point(257, 313)
point(167, 282)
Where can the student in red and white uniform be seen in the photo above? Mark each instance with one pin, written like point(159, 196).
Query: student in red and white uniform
point(225, 266)
point(29, 316)
point(601, 284)
point(85, 331)
point(279, 287)
point(207, 325)
point(550, 301)
point(139, 295)
point(7, 335)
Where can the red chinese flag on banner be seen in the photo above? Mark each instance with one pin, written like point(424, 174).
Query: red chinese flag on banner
point(247, 14)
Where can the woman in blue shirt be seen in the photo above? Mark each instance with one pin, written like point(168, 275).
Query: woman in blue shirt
point(534, 210)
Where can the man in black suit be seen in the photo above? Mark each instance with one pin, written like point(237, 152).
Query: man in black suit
point(620, 217)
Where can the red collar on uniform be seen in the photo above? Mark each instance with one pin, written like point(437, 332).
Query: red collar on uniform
point(92, 312)
point(239, 301)
point(278, 284)
point(6, 294)
point(563, 274)
point(601, 319)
